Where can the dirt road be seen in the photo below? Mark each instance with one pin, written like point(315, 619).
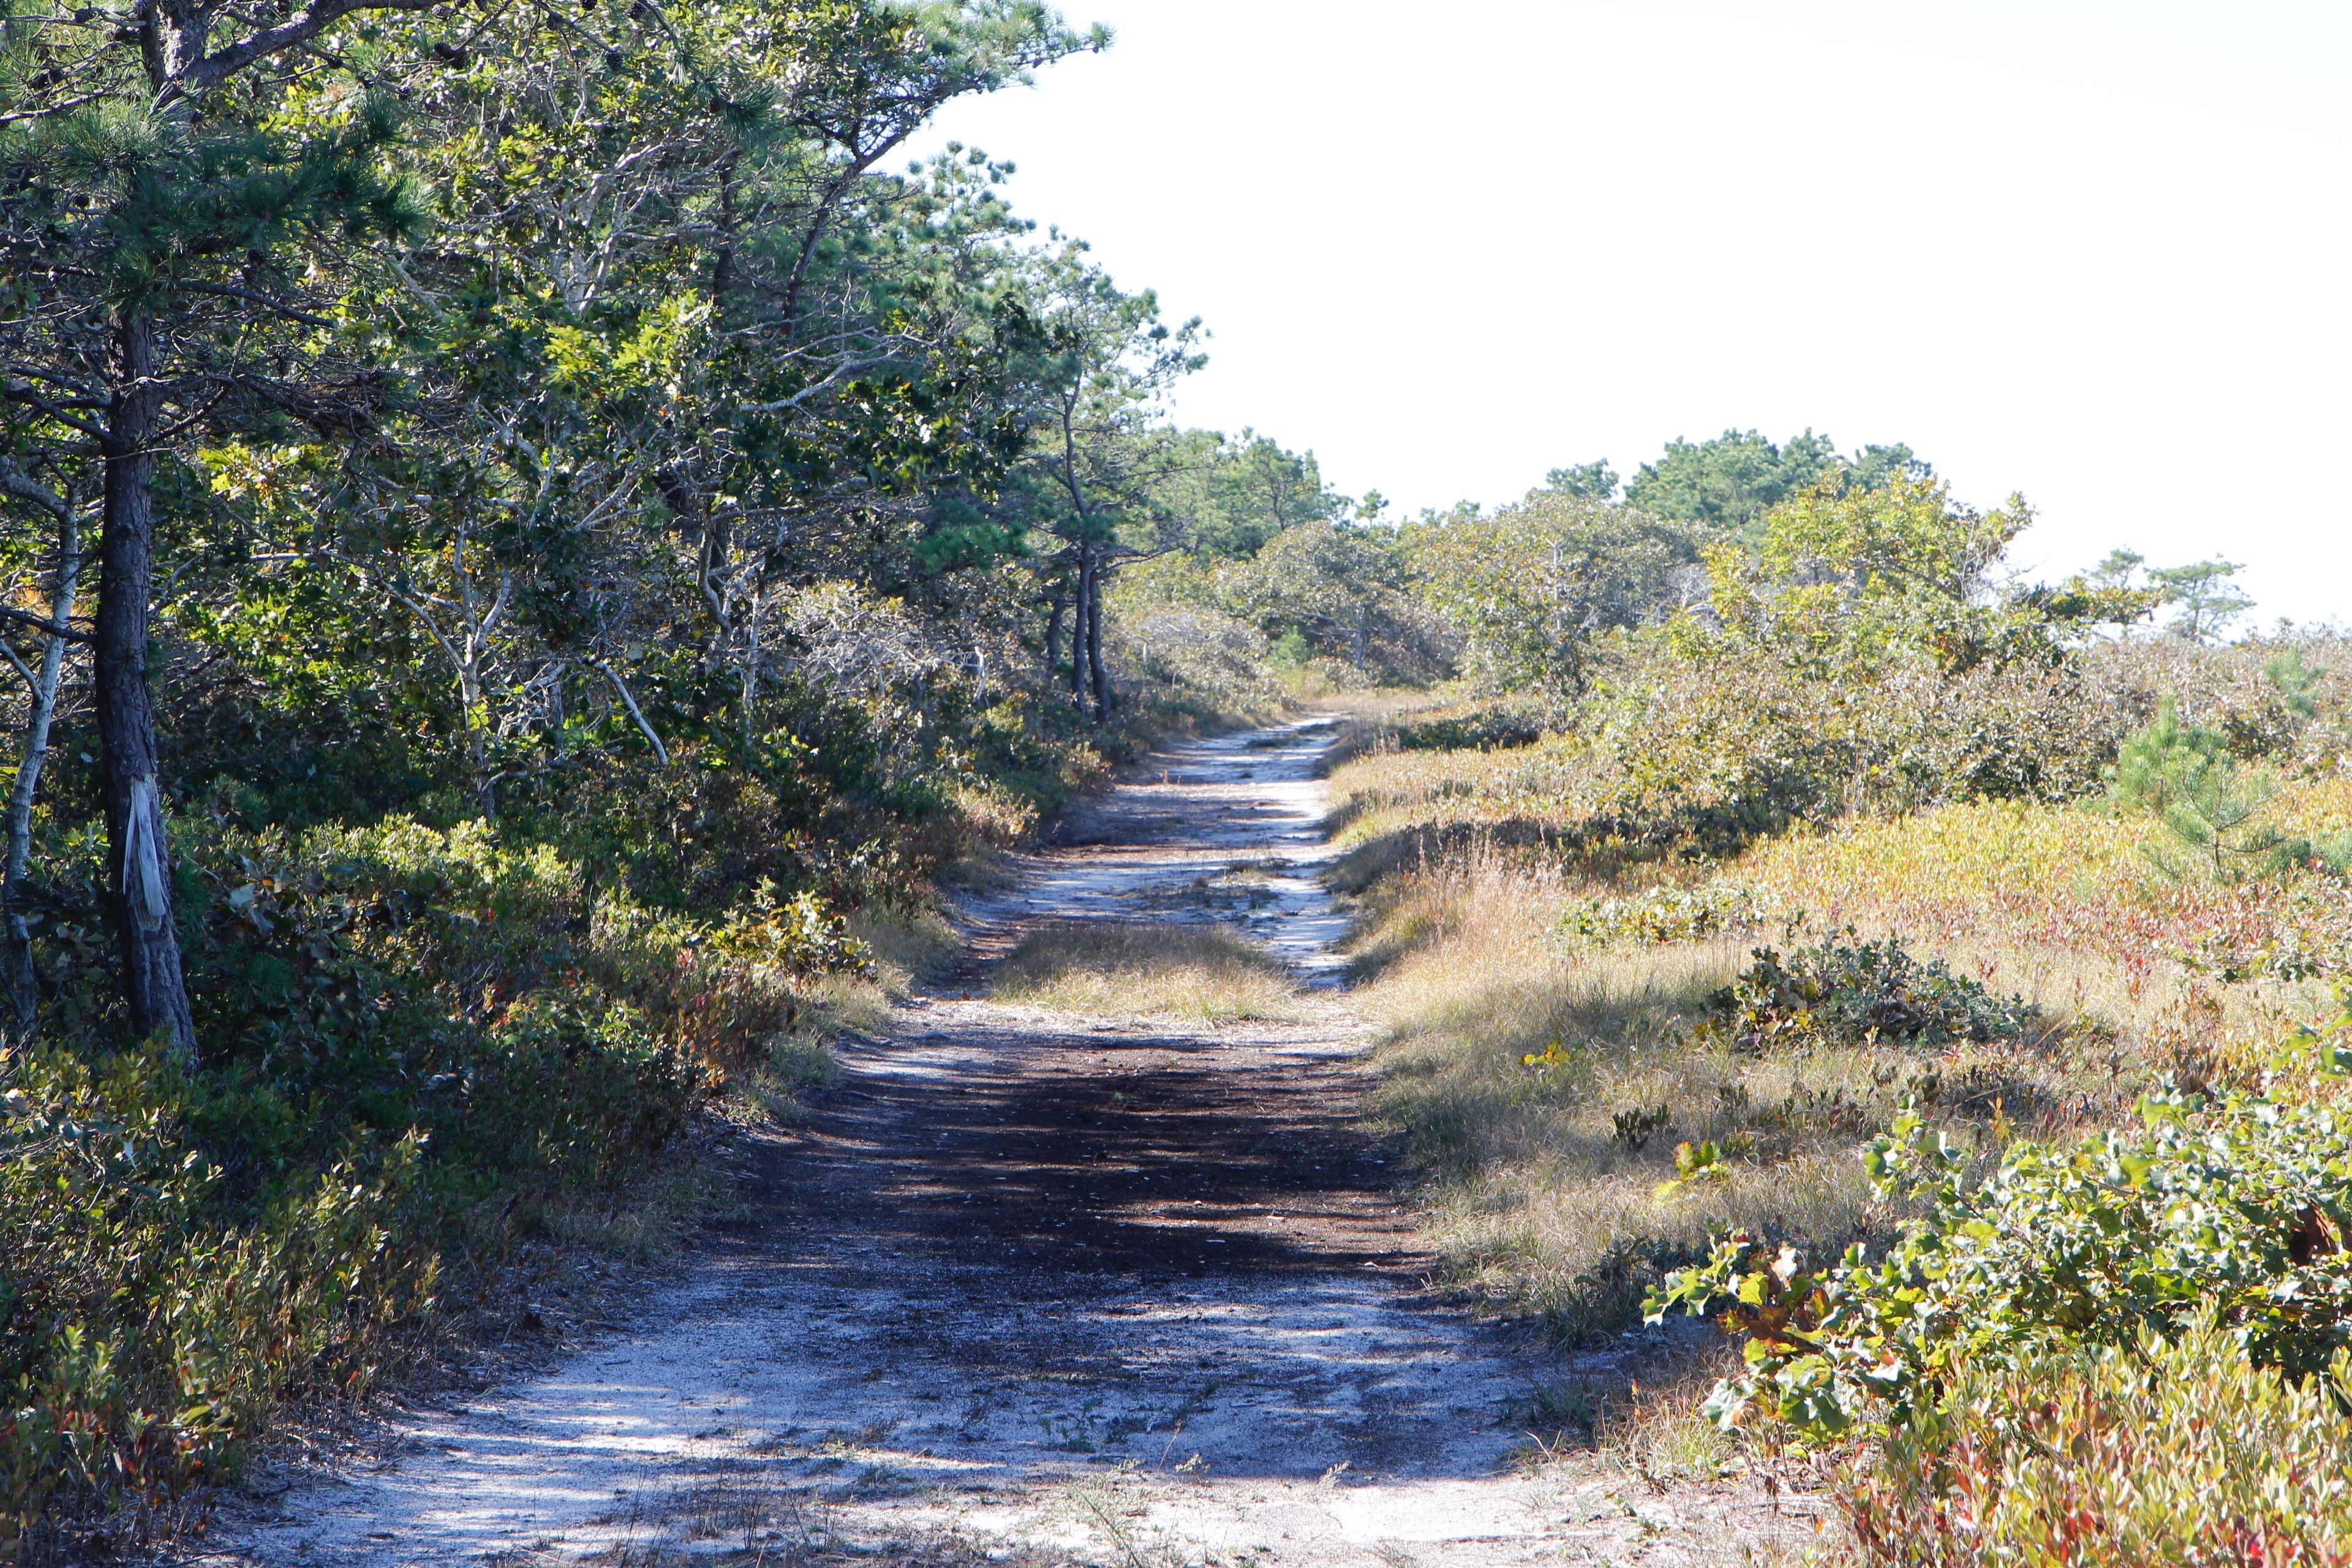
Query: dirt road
point(1031, 1287)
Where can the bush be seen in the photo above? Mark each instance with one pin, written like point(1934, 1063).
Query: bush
point(2153, 1453)
point(1663, 915)
point(1850, 993)
point(418, 1040)
point(148, 1328)
point(1488, 727)
point(2187, 779)
point(2240, 1209)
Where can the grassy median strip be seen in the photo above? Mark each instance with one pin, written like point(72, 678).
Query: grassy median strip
point(1197, 973)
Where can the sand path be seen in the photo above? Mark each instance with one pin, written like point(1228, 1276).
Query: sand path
point(1035, 1287)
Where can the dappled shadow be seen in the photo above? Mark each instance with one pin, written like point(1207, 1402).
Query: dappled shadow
point(1015, 1258)
point(1142, 1153)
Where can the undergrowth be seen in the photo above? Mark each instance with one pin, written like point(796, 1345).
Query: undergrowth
point(1637, 993)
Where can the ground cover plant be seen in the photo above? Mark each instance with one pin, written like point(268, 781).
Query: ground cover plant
point(2162, 1450)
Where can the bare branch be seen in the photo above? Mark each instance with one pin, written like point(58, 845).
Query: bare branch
point(222, 64)
point(252, 298)
point(634, 712)
point(26, 619)
point(23, 487)
point(50, 108)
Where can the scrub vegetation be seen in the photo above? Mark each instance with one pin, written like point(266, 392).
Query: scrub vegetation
point(535, 541)
point(1932, 978)
point(536, 546)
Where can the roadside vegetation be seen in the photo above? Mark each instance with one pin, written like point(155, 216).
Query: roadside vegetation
point(535, 545)
point(534, 549)
point(1931, 977)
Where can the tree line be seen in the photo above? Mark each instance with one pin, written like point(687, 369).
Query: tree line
point(436, 406)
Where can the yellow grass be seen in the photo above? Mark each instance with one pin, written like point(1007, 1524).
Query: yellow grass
point(1196, 972)
point(1538, 1204)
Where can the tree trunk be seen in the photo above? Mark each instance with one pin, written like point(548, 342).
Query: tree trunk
point(1053, 637)
point(1078, 609)
point(141, 904)
point(477, 736)
point(1094, 644)
point(23, 984)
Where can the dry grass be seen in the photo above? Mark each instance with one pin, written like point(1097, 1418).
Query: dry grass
point(1195, 973)
point(1540, 1206)
point(1543, 1207)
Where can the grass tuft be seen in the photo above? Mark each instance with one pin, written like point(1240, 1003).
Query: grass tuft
point(1200, 974)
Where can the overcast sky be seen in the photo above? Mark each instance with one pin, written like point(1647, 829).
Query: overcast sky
point(2093, 252)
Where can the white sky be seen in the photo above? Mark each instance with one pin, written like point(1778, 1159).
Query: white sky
point(2097, 252)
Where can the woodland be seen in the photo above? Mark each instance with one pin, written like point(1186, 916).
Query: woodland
point(539, 540)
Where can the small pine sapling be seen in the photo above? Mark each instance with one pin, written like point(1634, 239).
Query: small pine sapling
point(2211, 806)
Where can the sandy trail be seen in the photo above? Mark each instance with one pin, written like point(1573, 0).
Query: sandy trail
point(1039, 1287)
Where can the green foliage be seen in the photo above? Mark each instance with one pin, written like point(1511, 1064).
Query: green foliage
point(2204, 599)
point(1729, 482)
point(1484, 726)
point(2183, 776)
point(2153, 1453)
point(2239, 1209)
point(2283, 715)
point(1848, 575)
point(2164, 763)
point(421, 1039)
point(1342, 590)
point(1531, 589)
point(574, 594)
point(1585, 481)
point(1844, 992)
point(150, 1327)
point(2296, 680)
point(1636, 1127)
point(1237, 494)
point(1664, 914)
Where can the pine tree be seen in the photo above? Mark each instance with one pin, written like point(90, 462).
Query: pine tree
point(158, 218)
point(2183, 776)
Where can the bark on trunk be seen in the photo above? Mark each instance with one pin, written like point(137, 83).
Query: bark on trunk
point(140, 858)
point(1078, 609)
point(1094, 645)
point(1053, 637)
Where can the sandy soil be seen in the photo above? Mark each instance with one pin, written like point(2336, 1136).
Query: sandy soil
point(1042, 1288)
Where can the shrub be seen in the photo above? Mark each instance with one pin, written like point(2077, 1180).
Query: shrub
point(1855, 994)
point(147, 1329)
point(418, 1040)
point(2240, 1207)
point(1487, 727)
point(1666, 914)
point(2152, 1454)
point(2186, 777)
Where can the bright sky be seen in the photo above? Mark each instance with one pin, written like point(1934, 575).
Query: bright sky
point(2094, 250)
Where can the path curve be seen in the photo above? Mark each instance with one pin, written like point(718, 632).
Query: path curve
point(1029, 1287)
